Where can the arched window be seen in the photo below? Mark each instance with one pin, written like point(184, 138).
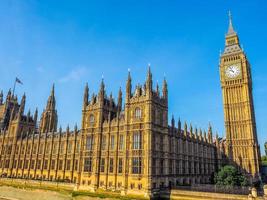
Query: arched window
point(138, 113)
point(91, 119)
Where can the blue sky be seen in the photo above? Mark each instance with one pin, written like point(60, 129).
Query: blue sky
point(74, 42)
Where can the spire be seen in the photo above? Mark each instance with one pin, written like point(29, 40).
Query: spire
point(210, 134)
point(217, 139)
point(76, 128)
point(173, 121)
point(36, 115)
point(22, 104)
point(196, 133)
point(51, 102)
point(8, 96)
point(1, 97)
point(28, 115)
point(53, 90)
point(179, 126)
point(86, 96)
point(165, 88)
point(68, 129)
point(102, 89)
point(129, 86)
point(230, 28)
point(191, 130)
point(185, 129)
point(120, 100)
point(149, 79)
point(157, 88)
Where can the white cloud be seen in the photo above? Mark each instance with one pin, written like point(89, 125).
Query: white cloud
point(73, 75)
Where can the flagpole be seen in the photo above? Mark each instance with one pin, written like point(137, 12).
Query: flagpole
point(14, 87)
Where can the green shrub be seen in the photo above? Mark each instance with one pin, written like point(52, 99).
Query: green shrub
point(229, 176)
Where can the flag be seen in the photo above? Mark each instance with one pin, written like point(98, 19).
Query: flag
point(18, 81)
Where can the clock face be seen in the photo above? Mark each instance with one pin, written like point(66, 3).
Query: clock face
point(232, 71)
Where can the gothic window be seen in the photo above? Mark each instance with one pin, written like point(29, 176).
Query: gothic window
point(136, 165)
point(170, 166)
point(52, 164)
point(41, 148)
point(29, 149)
point(162, 167)
point(60, 165)
point(121, 142)
point(34, 149)
point(68, 165)
point(69, 147)
point(77, 146)
point(45, 164)
point(26, 164)
point(54, 148)
point(120, 169)
point(177, 166)
point(91, 119)
point(102, 165)
point(154, 166)
point(87, 164)
point(112, 142)
point(76, 165)
point(138, 113)
point(161, 145)
point(111, 165)
point(32, 164)
point(137, 141)
point(61, 150)
point(47, 148)
point(89, 142)
point(39, 164)
point(103, 145)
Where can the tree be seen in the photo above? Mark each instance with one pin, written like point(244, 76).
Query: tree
point(265, 146)
point(229, 176)
point(264, 160)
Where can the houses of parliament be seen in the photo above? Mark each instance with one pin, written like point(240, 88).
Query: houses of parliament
point(127, 144)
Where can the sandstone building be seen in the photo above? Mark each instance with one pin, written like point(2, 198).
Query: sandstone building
point(128, 145)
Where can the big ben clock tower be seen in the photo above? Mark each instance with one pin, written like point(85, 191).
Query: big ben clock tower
point(236, 82)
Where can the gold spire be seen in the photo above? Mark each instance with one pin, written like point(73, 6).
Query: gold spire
point(230, 28)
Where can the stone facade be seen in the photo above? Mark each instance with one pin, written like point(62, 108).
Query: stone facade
point(122, 145)
point(242, 146)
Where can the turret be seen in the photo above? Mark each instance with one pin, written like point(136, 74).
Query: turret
point(1, 97)
point(179, 126)
point(35, 118)
point(217, 140)
point(48, 122)
point(157, 89)
point(149, 81)
point(101, 93)
point(185, 129)
point(85, 96)
point(51, 102)
point(8, 96)
point(210, 134)
point(196, 133)
point(28, 115)
point(173, 121)
point(129, 87)
point(165, 89)
point(22, 104)
point(191, 131)
point(120, 100)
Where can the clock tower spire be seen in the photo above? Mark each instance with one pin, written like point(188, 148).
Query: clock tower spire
point(240, 126)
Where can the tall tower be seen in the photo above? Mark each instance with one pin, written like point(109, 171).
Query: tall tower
point(48, 122)
point(236, 82)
